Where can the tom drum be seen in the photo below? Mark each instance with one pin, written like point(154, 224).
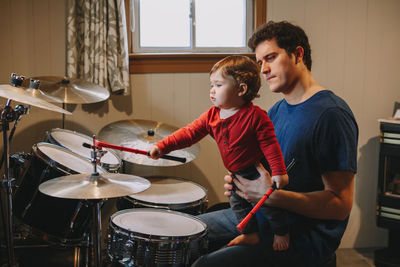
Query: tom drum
point(171, 193)
point(73, 141)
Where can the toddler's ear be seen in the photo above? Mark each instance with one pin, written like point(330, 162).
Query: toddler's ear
point(242, 89)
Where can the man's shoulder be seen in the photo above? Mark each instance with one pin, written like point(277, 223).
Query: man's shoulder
point(332, 103)
point(276, 106)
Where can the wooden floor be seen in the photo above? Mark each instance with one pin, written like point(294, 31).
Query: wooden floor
point(348, 257)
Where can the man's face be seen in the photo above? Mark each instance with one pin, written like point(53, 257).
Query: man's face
point(277, 67)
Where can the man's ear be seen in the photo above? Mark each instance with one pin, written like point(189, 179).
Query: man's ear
point(242, 89)
point(299, 53)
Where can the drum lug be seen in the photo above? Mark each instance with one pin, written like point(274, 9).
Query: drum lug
point(205, 206)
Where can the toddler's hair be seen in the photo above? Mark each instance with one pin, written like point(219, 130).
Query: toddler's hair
point(241, 69)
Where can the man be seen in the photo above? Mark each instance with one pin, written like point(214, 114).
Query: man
point(317, 129)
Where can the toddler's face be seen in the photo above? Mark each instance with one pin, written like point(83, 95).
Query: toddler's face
point(223, 92)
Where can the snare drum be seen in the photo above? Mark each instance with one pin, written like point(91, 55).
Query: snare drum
point(73, 141)
point(170, 193)
point(64, 220)
point(151, 237)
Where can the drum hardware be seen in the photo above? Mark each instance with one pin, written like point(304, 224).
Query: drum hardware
point(8, 115)
point(19, 110)
point(94, 187)
point(142, 134)
point(13, 92)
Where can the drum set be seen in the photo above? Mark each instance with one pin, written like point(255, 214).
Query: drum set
point(60, 187)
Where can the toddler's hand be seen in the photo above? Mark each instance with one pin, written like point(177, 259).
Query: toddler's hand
point(155, 152)
point(280, 180)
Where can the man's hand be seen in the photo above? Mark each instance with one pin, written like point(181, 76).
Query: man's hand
point(251, 190)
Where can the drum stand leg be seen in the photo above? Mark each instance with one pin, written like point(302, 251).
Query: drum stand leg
point(97, 233)
point(6, 117)
point(63, 116)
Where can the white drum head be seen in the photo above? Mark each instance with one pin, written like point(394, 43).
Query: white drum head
point(169, 190)
point(158, 222)
point(73, 141)
point(67, 158)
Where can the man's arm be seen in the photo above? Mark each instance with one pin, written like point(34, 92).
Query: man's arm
point(334, 202)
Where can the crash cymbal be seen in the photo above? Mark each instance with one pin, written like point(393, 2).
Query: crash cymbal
point(142, 134)
point(34, 91)
point(72, 91)
point(20, 95)
point(88, 186)
point(37, 93)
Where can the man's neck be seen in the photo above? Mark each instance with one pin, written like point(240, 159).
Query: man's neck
point(305, 88)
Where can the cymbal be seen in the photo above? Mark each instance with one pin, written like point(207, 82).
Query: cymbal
point(37, 93)
point(20, 95)
point(72, 91)
point(143, 134)
point(87, 186)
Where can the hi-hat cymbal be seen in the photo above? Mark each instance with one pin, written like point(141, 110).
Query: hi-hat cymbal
point(142, 134)
point(72, 91)
point(87, 186)
point(20, 95)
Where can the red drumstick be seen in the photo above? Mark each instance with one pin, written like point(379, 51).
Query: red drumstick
point(244, 222)
point(99, 143)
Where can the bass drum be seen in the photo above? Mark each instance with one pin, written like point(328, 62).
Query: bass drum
point(73, 141)
point(56, 219)
point(171, 193)
point(151, 237)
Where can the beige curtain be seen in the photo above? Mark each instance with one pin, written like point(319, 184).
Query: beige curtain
point(97, 43)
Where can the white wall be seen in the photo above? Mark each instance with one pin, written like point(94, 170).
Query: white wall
point(355, 53)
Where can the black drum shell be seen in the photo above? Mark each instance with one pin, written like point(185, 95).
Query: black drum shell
point(58, 219)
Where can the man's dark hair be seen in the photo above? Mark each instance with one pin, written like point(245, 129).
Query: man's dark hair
point(287, 35)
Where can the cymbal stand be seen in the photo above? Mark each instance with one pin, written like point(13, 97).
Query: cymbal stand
point(96, 155)
point(8, 115)
point(63, 116)
point(19, 110)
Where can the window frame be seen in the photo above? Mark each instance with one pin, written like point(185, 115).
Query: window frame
point(140, 63)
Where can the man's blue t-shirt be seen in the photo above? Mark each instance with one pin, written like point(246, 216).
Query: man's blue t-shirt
point(321, 135)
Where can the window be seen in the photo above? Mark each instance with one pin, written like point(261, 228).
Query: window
point(198, 54)
point(192, 26)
